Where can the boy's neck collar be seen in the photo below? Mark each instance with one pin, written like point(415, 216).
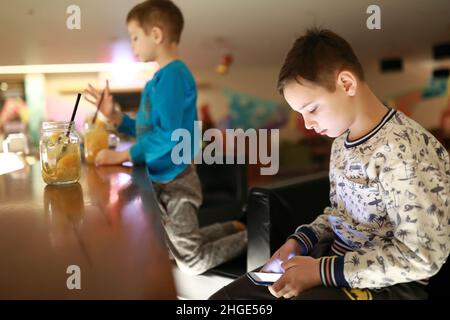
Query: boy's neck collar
point(167, 55)
point(164, 64)
point(353, 143)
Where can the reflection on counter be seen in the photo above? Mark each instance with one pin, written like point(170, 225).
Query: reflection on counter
point(110, 188)
point(64, 208)
point(106, 223)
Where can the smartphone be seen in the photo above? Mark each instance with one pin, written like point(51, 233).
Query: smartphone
point(264, 278)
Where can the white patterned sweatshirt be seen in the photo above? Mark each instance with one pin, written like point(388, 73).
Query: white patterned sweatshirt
point(390, 207)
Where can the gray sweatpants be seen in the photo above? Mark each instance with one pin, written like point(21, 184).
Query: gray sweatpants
point(194, 249)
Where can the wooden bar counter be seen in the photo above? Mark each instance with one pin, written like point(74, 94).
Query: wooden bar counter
point(107, 225)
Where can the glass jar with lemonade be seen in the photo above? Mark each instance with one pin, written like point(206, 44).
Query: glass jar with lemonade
point(95, 139)
point(59, 149)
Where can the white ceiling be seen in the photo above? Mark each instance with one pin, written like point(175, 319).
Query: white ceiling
point(259, 32)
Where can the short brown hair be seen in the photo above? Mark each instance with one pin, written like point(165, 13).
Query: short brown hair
point(160, 13)
point(317, 57)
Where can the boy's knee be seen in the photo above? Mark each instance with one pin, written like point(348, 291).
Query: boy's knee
point(189, 268)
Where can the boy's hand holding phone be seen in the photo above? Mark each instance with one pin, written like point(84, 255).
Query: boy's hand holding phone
point(299, 272)
point(288, 250)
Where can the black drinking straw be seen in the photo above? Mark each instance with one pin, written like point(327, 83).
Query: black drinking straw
point(98, 106)
point(64, 148)
point(73, 114)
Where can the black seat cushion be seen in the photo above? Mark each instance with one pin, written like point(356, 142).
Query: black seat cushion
point(224, 188)
point(232, 269)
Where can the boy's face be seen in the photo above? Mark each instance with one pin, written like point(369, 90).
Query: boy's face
point(143, 45)
point(328, 113)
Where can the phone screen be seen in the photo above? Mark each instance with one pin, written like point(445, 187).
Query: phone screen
point(264, 278)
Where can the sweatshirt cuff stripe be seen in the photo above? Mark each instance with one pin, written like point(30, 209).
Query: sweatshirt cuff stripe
point(308, 236)
point(305, 239)
point(301, 242)
point(332, 272)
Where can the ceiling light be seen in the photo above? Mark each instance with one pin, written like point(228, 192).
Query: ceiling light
point(70, 68)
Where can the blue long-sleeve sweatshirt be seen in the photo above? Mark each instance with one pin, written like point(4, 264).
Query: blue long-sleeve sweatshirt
point(168, 102)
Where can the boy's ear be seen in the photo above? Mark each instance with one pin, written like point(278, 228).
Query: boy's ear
point(348, 82)
point(157, 35)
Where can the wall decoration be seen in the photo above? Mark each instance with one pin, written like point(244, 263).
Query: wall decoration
point(223, 67)
point(248, 111)
point(436, 87)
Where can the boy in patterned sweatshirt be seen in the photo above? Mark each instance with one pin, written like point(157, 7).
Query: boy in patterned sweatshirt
point(387, 228)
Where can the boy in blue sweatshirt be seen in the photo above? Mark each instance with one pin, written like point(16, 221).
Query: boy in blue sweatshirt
point(168, 103)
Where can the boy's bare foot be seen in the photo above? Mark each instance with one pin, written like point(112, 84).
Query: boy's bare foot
point(239, 226)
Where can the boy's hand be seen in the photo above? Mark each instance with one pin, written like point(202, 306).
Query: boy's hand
point(109, 157)
point(288, 250)
point(107, 106)
point(302, 273)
